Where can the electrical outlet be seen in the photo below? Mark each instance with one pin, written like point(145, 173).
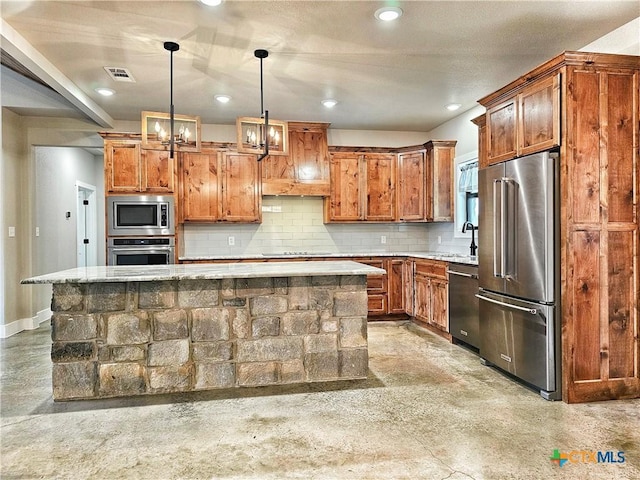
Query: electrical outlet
point(383, 239)
point(276, 208)
point(231, 240)
point(37, 231)
point(266, 208)
point(439, 239)
point(12, 231)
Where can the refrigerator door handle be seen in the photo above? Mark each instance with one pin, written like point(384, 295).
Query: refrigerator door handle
point(509, 223)
point(497, 229)
point(504, 227)
point(532, 311)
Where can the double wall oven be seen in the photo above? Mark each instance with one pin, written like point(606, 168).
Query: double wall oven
point(140, 229)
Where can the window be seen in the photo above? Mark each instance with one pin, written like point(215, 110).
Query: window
point(466, 193)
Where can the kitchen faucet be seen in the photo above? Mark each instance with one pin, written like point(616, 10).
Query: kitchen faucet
point(473, 247)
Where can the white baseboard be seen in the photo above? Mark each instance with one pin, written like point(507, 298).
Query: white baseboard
point(25, 324)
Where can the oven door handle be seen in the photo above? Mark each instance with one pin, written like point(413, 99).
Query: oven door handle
point(140, 250)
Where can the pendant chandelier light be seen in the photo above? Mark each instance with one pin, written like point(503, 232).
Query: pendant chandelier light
point(171, 47)
point(259, 135)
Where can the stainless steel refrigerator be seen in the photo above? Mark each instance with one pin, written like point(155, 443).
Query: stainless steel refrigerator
point(518, 270)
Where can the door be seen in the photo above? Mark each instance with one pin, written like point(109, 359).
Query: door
point(412, 186)
point(517, 227)
point(529, 265)
point(345, 202)
point(380, 187)
point(241, 196)
point(200, 189)
point(86, 226)
point(489, 238)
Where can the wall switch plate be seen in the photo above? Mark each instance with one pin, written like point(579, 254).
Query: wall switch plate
point(276, 208)
point(231, 240)
point(12, 231)
point(37, 231)
point(266, 208)
point(383, 239)
point(439, 239)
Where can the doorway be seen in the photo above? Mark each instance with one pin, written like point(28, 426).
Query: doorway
point(86, 225)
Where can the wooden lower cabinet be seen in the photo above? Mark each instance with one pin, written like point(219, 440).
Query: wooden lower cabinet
point(395, 275)
point(431, 294)
point(376, 287)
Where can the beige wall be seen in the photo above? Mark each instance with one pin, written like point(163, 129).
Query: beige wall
point(15, 213)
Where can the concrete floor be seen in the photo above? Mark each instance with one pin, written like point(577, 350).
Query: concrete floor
point(429, 410)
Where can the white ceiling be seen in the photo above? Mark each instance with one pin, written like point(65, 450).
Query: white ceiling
point(386, 76)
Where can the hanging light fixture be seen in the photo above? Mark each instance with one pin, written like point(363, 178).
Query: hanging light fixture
point(154, 129)
point(171, 47)
point(259, 135)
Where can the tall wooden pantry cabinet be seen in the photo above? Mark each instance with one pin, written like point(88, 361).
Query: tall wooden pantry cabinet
point(587, 105)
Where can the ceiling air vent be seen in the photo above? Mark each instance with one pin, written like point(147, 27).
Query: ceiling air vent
point(120, 74)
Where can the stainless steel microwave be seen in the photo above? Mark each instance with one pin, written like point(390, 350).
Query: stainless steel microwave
point(140, 215)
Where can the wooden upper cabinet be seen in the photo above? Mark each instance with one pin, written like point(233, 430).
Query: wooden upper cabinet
point(157, 171)
point(539, 116)
point(305, 171)
point(380, 187)
point(526, 123)
point(199, 179)
point(130, 169)
point(439, 182)
point(219, 186)
point(363, 187)
point(241, 196)
point(502, 131)
point(345, 202)
point(412, 186)
point(122, 167)
point(481, 123)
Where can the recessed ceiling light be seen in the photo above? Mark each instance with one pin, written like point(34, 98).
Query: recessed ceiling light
point(222, 98)
point(388, 14)
point(211, 3)
point(329, 102)
point(452, 107)
point(107, 92)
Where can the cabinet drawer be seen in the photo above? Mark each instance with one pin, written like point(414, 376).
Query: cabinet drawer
point(376, 283)
point(431, 268)
point(377, 304)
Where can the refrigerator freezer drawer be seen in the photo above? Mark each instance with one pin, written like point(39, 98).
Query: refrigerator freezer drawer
point(520, 338)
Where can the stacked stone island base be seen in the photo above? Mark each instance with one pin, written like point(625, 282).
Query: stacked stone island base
point(149, 337)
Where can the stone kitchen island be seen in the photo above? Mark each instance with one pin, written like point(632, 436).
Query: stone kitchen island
point(138, 330)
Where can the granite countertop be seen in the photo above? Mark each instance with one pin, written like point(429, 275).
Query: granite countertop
point(442, 256)
point(147, 273)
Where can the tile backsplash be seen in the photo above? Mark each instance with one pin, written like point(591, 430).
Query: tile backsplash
point(294, 224)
